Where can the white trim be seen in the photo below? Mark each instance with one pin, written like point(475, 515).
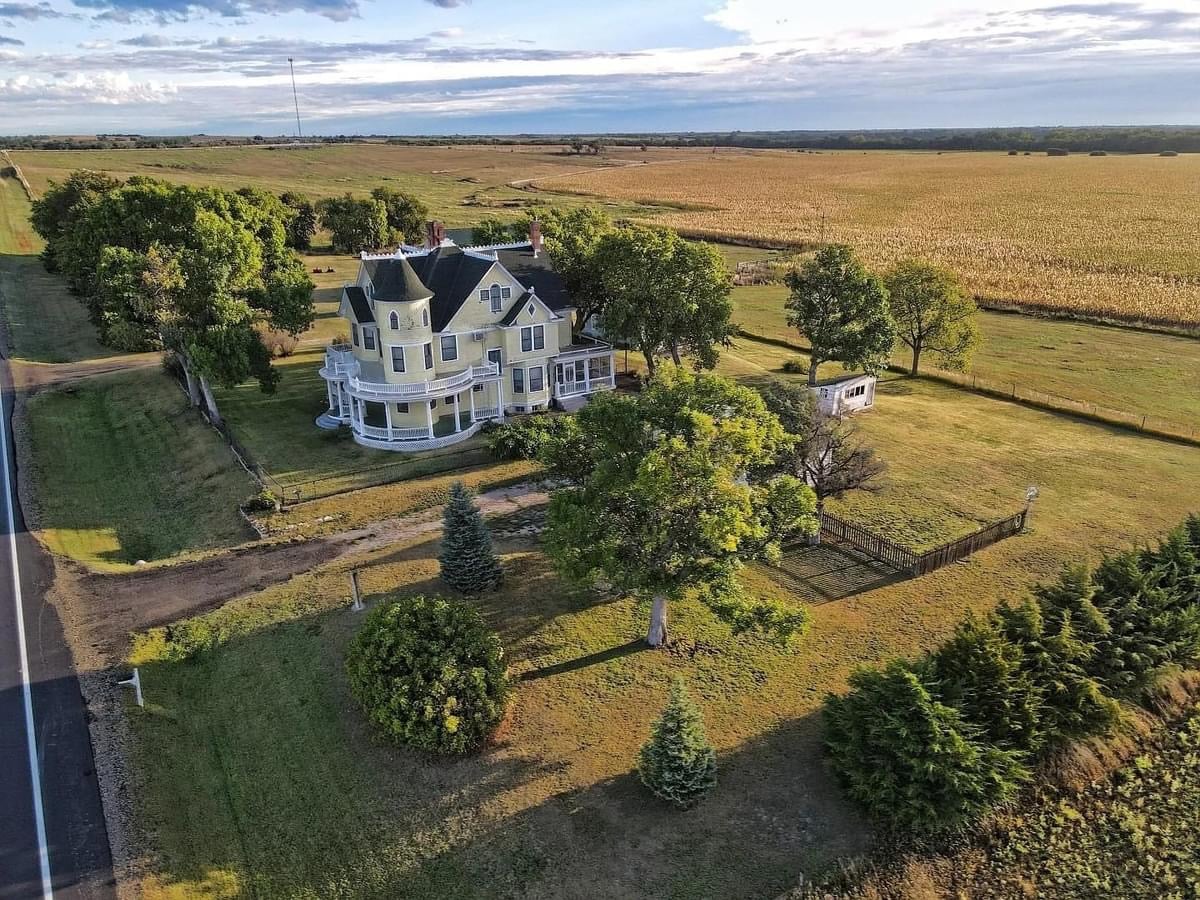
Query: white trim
point(35, 777)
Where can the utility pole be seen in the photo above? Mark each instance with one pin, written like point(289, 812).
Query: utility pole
point(295, 97)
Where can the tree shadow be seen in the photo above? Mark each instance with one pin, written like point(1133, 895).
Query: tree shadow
point(821, 573)
point(573, 665)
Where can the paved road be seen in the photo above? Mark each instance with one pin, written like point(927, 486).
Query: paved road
point(53, 841)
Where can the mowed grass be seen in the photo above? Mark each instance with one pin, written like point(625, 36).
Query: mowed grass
point(261, 730)
point(1139, 372)
point(460, 184)
point(1110, 236)
point(45, 323)
point(125, 470)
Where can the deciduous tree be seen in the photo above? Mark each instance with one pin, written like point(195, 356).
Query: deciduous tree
point(843, 311)
point(301, 224)
point(664, 294)
point(406, 214)
point(664, 499)
point(571, 237)
point(933, 314)
point(354, 224)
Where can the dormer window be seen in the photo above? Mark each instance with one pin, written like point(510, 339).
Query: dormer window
point(393, 321)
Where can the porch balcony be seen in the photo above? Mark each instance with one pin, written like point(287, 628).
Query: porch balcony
point(365, 381)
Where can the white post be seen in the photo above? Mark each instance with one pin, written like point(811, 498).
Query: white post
point(135, 681)
point(587, 376)
point(471, 397)
point(457, 415)
point(356, 603)
point(387, 414)
point(429, 418)
point(500, 398)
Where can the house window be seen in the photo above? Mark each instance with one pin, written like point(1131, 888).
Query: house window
point(497, 304)
point(394, 322)
point(402, 407)
point(484, 293)
point(425, 316)
point(354, 333)
point(531, 309)
point(478, 388)
point(536, 383)
point(429, 356)
point(495, 295)
point(397, 359)
point(449, 347)
point(432, 404)
point(369, 338)
point(506, 293)
point(599, 367)
point(533, 337)
point(518, 381)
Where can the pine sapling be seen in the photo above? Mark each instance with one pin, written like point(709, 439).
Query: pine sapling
point(677, 763)
point(468, 563)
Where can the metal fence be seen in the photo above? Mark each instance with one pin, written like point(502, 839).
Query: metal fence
point(910, 561)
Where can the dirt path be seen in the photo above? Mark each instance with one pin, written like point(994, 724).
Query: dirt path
point(113, 606)
point(33, 376)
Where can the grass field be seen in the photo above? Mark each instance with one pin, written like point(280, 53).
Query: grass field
point(460, 184)
point(127, 471)
point(553, 809)
point(45, 324)
point(1143, 372)
point(1106, 236)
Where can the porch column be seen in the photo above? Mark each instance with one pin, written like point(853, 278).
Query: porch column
point(500, 397)
point(471, 398)
point(457, 416)
point(429, 419)
point(329, 394)
point(387, 414)
point(587, 375)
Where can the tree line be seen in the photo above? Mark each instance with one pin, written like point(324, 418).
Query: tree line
point(937, 743)
point(195, 271)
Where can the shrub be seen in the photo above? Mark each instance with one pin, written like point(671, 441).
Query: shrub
point(677, 763)
point(263, 501)
point(979, 672)
point(794, 367)
point(279, 343)
point(910, 760)
point(524, 438)
point(1057, 151)
point(427, 673)
point(1098, 153)
point(1012, 152)
point(1169, 153)
point(467, 561)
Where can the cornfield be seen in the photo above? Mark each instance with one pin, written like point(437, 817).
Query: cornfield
point(1114, 237)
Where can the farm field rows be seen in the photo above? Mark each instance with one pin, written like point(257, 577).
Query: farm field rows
point(1110, 236)
point(1140, 372)
point(553, 808)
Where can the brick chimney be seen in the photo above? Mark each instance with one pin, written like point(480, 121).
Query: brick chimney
point(535, 236)
point(435, 233)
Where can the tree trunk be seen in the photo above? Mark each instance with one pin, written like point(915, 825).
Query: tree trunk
point(193, 388)
point(815, 539)
point(651, 362)
point(813, 364)
point(916, 364)
point(657, 635)
point(210, 401)
point(675, 355)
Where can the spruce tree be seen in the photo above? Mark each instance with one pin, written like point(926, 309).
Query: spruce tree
point(677, 763)
point(468, 563)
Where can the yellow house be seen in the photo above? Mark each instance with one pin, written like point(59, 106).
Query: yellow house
point(444, 338)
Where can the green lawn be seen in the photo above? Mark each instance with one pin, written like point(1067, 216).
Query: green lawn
point(260, 778)
point(45, 323)
point(126, 471)
point(1142, 372)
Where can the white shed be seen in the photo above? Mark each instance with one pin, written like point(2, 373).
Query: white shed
point(845, 394)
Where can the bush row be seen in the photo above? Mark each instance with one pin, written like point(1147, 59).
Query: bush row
point(524, 438)
point(936, 743)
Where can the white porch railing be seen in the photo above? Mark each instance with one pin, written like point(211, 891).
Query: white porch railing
point(585, 352)
point(486, 412)
point(437, 387)
point(425, 443)
point(576, 388)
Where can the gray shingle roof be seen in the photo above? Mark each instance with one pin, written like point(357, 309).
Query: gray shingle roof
point(536, 272)
point(359, 304)
point(452, 276)
point(395, 281)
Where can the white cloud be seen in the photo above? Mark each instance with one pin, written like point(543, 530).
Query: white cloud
point(105, 88)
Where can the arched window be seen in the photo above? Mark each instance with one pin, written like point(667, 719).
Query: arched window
point(393, 321)
point(495, 292)
point(425, 316)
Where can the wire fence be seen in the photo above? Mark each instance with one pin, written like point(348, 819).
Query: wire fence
point(1020, 393)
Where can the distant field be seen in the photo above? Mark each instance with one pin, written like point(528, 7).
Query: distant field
point(1110, 236)
point(460, 184)
point(1141, 372)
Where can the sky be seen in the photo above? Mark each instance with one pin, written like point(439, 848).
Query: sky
point(563, 66)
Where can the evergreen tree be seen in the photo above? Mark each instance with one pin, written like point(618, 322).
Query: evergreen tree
point(677, 763)
point(979, 673)
point(468, 563)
